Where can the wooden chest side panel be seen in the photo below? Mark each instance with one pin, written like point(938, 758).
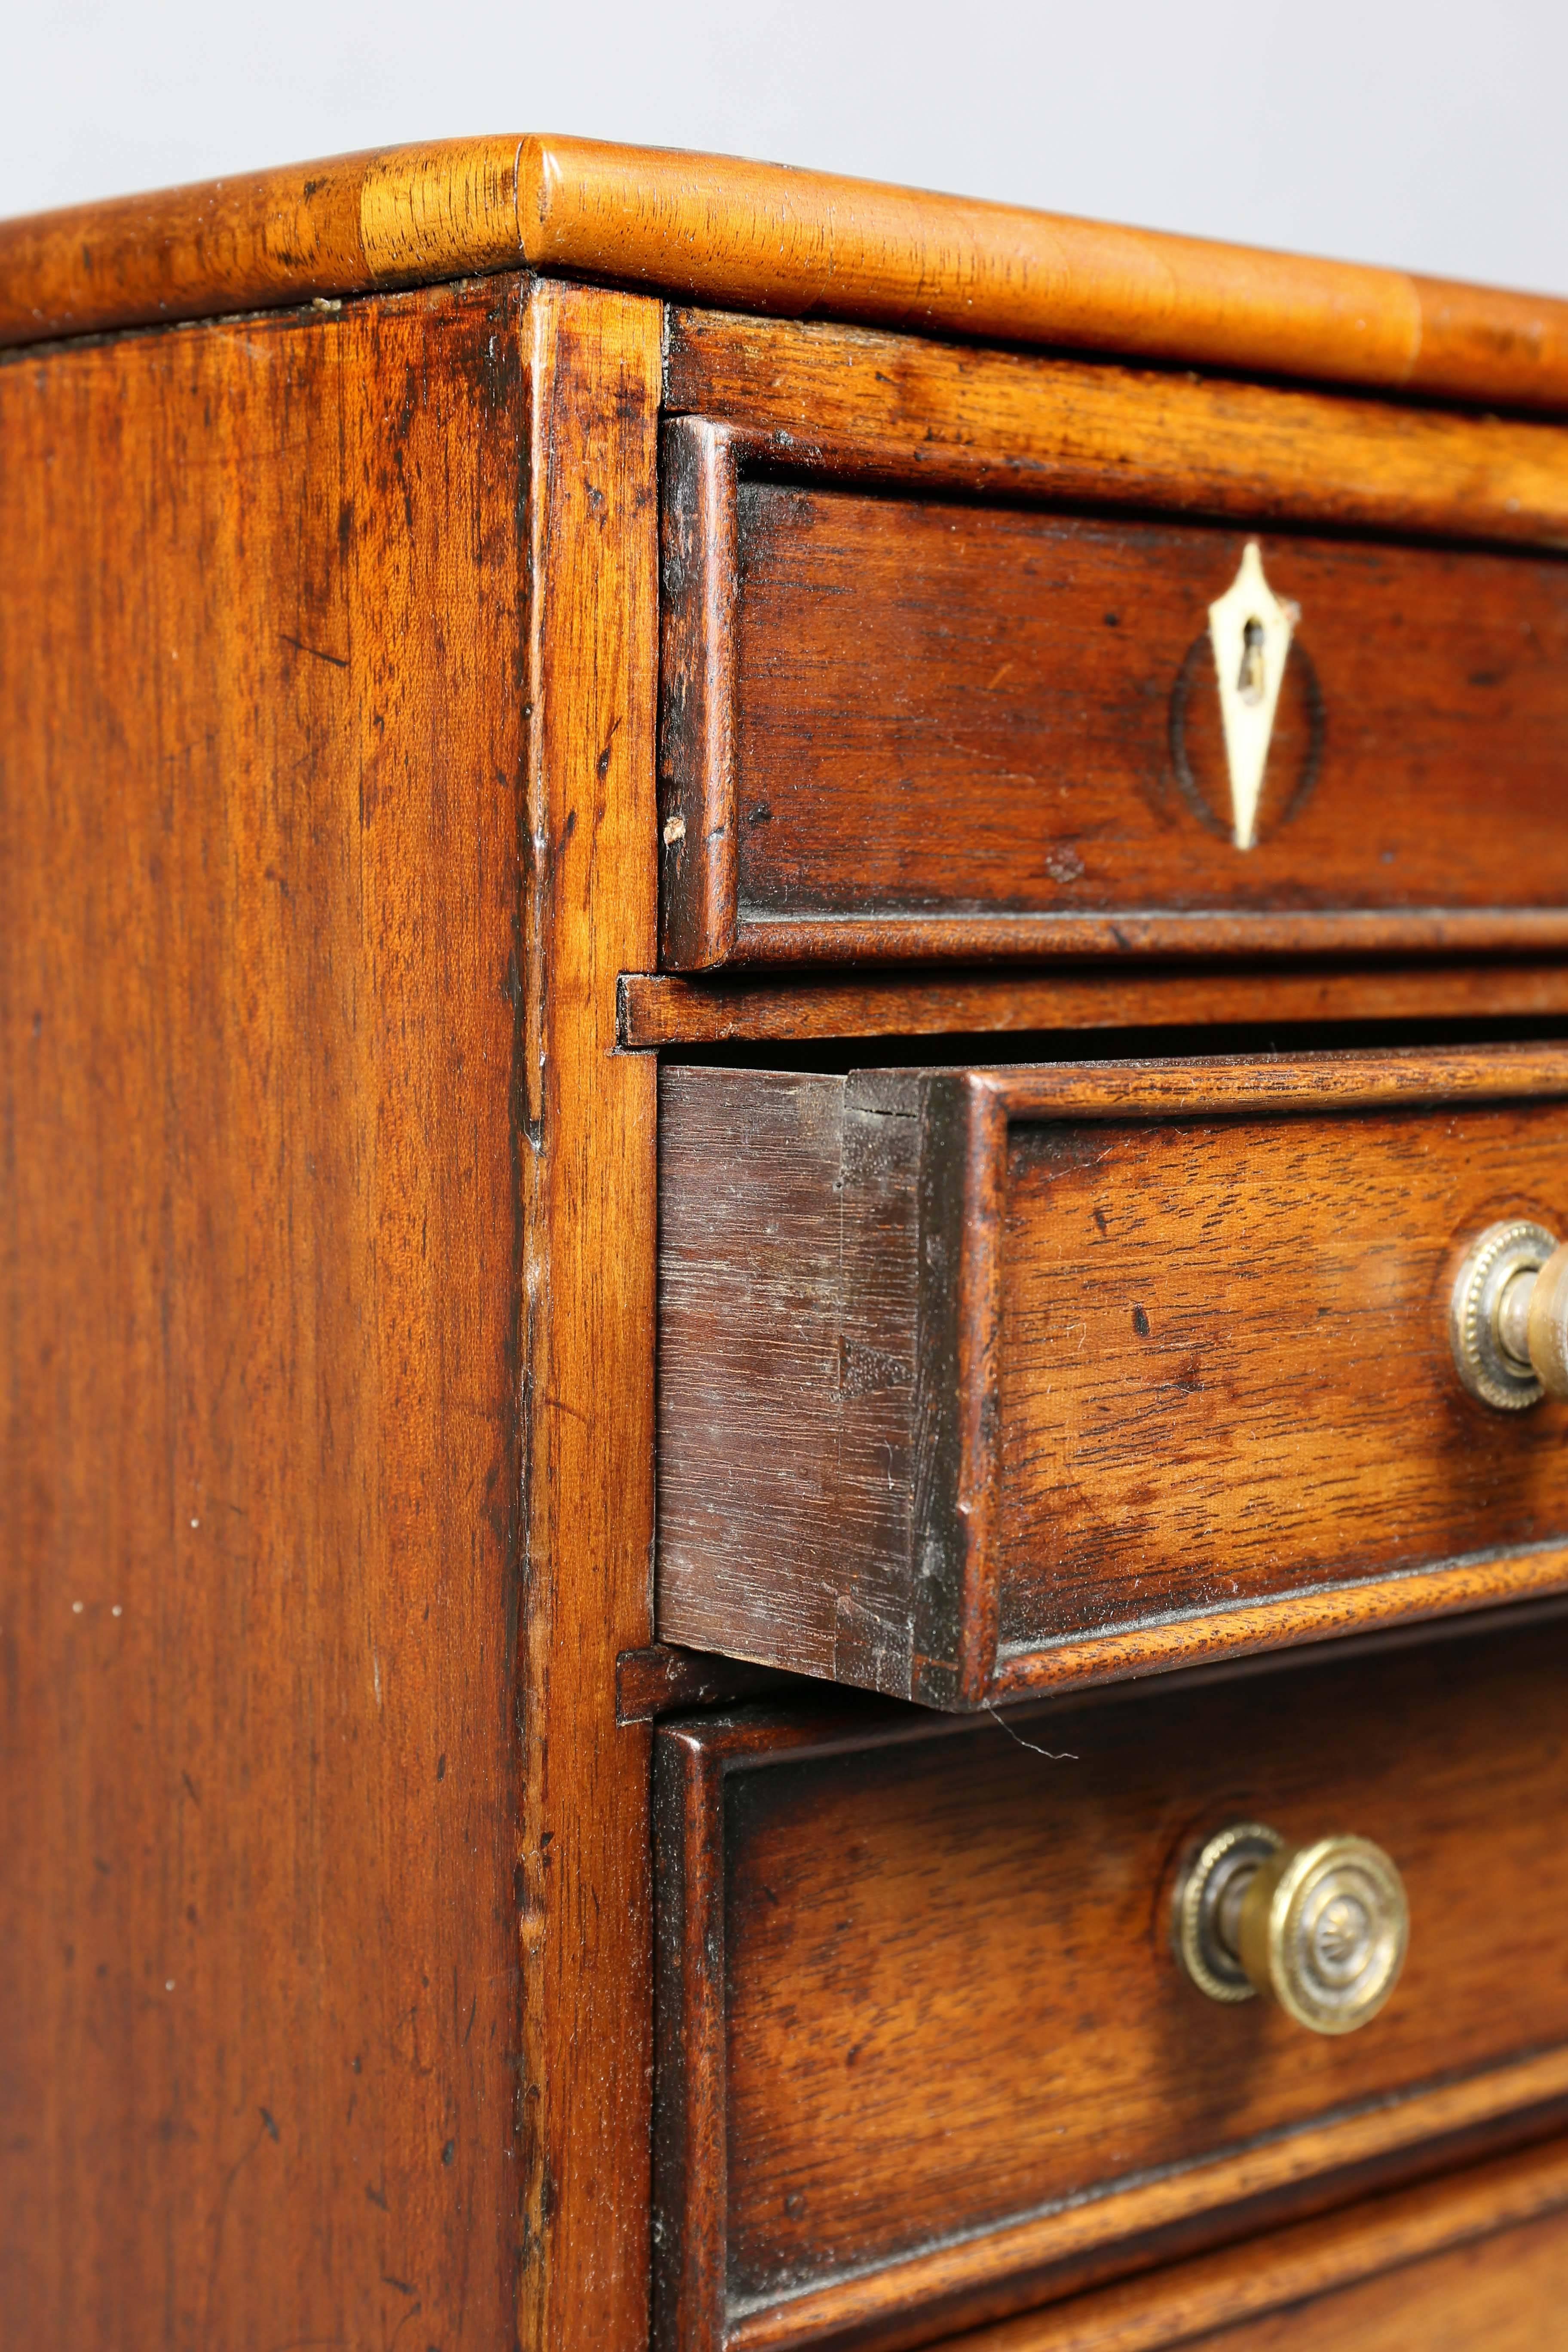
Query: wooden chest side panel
point(1227, 1368)
point(969, 712)
point(951, 1999)
point(788, 1307)
point(260, 614)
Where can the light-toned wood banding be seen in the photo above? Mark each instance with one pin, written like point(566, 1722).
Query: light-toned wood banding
point(757, 236)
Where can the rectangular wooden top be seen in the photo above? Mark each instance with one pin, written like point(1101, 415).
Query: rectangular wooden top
point(762, 237)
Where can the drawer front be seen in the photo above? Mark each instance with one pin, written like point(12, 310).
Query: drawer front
point(926, 2055)
point(905, 727)
point(1478, 2258)
point(973, 1382)
point(1505, 2293)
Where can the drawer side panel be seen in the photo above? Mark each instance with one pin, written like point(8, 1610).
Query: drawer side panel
point(788, 1313)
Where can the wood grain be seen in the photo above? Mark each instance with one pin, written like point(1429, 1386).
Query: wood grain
point(973, 1382)
point(953, 731)
point(932, 2022)
point(1224, 1350)
point(1507, 2294)
point(587, 1287)
point(657, 1009)
point(398, 216)
point(662, 1680)
point(259, 596)
point(1481, 2258)
point(329, 647)
point(815, 397)
point(754, 236)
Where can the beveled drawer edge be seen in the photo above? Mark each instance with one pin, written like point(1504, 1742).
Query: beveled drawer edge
point(1344, 481)
point(902, 937)
point(1123, 2210)
point(1369, 1078)
point(1476, 1581)
point(1196, 2299)
point(655, 1009)
point(665, 1682)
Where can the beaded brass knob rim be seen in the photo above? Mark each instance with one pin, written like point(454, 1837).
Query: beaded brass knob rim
point(1225, 1860)
point(1322, 1929)
point(1515, 1247)
point(1508, 1316)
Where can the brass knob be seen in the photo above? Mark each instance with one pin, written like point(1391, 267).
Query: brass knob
point(1509, 1316)
point(1321, 1928)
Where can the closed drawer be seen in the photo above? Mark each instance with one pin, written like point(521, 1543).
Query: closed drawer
point(926, 2055)
point(902, 726)
point(976, 1382)
point(1478, 2258)
point(1506, 2292)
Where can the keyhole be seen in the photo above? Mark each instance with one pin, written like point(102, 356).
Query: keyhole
point(1250, 685)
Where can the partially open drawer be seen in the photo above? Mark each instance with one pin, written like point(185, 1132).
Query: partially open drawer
point(974, 1381)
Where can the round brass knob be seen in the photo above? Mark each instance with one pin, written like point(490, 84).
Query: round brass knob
point(1319, 1928)
point(1509, 1316)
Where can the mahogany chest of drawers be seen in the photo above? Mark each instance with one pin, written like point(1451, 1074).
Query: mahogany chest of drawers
point(785, 1144)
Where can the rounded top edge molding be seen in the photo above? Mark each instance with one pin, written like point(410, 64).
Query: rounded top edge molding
point(746, 235)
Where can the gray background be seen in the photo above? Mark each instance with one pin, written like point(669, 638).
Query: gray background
point(1435, 136)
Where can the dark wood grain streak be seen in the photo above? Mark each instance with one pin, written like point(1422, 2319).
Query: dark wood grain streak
point(587, 1284)
point(973, 1382)
point(951, 730)
point(259, 623)
point(944, 2052)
